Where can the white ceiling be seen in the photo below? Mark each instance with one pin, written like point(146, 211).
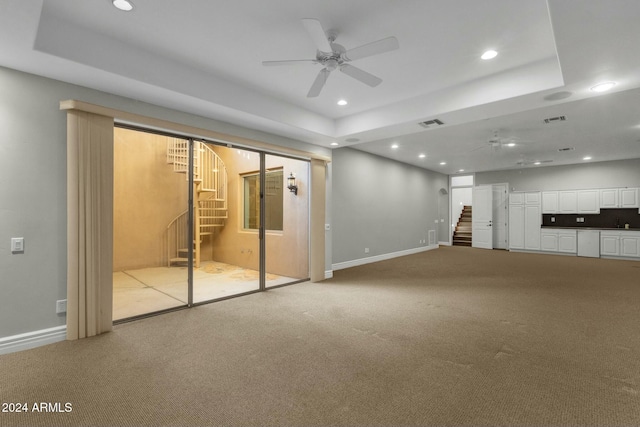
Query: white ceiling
point(205, 57)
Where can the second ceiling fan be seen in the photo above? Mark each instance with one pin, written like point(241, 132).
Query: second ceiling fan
point(333, 56)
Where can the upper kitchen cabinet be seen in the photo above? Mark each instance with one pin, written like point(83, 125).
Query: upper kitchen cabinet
point(549, 202)
point(629, 198)
point(612, 198)
point(568, 202)
point(588, 201)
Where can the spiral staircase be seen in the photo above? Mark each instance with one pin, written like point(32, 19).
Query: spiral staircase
point(210, 200)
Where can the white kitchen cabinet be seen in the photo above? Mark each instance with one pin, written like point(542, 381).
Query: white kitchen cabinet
point(588, 201)
point(558, 240)
point(568, 202)
point(610, 243)
point(532, 223)
point(532, 198)
point(567, 241)
point(620, 243)
point(609, 198)
point(549, 202)
point(525, 218)
point(629, 245)
point(516, 226)
point(516, 198)
point(549, 240)
point(629, 198)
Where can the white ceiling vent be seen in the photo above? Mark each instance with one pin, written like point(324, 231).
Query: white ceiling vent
point(431, 123)
point(555, 119)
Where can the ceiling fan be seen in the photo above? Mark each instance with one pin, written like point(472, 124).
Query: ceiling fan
point(496, 142)
point(333, 56)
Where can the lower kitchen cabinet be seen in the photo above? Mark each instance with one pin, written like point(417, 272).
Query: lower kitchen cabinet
point(562, 241)
point(620, 243)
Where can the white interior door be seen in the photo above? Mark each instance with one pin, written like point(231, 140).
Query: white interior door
point(482, 218)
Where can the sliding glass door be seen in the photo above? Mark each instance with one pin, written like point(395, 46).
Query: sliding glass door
point(286, 199)
point(227, 221)
point(151, 190)
point(198, 221)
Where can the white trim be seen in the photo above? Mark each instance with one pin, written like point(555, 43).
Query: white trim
point(368, 260)
point(444, 243)
point(32, 339)
point(328, 274)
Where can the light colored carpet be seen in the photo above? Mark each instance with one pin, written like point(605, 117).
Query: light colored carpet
point(455, 336)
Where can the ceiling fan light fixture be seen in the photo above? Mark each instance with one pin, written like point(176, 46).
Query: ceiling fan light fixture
point(124, 5)
point(489, 54)
point(603, 86)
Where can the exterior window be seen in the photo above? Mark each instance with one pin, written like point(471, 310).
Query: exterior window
point(274, 183)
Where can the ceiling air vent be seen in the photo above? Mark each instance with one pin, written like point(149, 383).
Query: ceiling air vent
point(431, 123)
point(555, 119)
point(566, 149)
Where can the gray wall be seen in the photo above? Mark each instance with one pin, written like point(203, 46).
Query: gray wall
point(381, 204)
point(623, 173)
point(33, 189)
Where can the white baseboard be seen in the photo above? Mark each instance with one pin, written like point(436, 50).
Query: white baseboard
point(32, 339)
point(368, 260)
point(444, 243)
point(328, 274)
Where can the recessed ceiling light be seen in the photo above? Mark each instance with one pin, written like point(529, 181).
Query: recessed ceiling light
point(342, 102)
point(334, 143)
point(511, 144)
point(443, 163)
point(124, 5)
point(394, 146)
point(422, 155)
point(490, 54)
point(602, 87)
point(536, 163)
point(586, 158)
point(461, 170)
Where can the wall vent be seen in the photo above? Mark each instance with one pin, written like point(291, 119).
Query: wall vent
point(566, 149)
point(555, 119)
point(431, 123)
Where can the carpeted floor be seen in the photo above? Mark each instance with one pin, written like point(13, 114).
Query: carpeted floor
point(455, 336)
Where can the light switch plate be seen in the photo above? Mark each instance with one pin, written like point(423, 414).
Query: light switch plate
point(17, 244)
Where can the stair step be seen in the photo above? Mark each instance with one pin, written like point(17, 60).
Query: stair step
point(462, 244)
point(210, 225)
point(179, 259)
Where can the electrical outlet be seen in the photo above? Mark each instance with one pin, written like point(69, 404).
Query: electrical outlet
point(553, 219)
point(61, 306)
point(366, 250)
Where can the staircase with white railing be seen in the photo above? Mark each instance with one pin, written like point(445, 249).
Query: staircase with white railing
point(210, 199)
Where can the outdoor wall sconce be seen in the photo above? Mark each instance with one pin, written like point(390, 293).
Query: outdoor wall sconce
point(291, 184)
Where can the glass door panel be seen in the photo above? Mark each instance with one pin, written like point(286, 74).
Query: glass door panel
point(226, 222)
point(150, 248)
point(286, 220)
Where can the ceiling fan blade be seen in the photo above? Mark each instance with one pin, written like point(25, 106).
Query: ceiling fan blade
point(289, 62)
point(318, 83)
point(370, 49)
point(318, 35)
point(361, 75)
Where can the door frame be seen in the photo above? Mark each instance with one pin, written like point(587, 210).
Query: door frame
point(479, 222)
